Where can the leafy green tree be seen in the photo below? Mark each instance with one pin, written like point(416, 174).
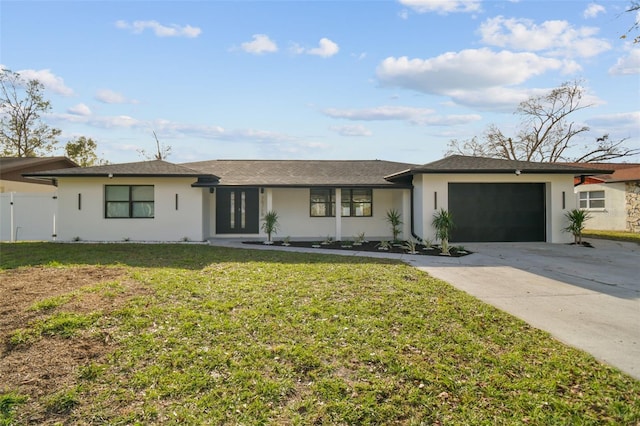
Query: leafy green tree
point(22, 132)
point(82, 150)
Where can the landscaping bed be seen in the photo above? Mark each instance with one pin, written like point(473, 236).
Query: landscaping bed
point(369, 246)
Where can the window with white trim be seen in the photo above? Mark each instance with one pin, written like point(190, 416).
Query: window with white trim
point(128, 201)
point(592, 200)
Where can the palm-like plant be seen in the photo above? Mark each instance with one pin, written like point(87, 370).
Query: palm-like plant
point(576, 218)
point(270, 224)
point(395, 220)
point(443, 222)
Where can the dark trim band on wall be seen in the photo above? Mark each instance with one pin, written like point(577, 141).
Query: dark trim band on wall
point(79, 201)
point(563, 201)
point(435, 200)
point(176, 201)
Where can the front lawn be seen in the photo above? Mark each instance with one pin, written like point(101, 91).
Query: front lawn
point(193, 334)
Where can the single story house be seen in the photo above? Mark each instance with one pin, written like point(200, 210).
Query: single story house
point(612, 197)
point(490, 199)
point(12, 168)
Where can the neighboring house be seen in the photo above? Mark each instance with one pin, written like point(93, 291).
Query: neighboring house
point(490, 199)
point(12, 168)
point(28, 206)
point(612, 197)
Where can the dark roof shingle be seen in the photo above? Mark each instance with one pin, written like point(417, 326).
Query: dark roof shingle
point(301, 172)
point(154, 168)
point(469, 164)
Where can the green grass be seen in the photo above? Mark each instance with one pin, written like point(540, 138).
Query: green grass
point(613, 235)
point(8, 403)
point(263, 337)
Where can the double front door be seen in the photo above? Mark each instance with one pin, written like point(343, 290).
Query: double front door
point(237, 210)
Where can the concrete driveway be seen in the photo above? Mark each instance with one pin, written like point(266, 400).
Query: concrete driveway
point(588, 298)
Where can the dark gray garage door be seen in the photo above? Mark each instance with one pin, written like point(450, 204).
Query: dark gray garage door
point(485, 212)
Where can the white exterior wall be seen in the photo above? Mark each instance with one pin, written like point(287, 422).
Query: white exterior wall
point(32, 217)
point(555, 185)
point(88, 222)
point(614, 215)
point(293, 208)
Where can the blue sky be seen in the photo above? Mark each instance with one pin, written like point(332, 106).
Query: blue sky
point(392, 80)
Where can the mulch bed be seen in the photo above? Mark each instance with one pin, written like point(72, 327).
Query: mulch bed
point(368, 246)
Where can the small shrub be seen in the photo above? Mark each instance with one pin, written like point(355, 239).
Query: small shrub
point(384, 245)
point(270, 224)
point(395, 220)
point(410, 246)
point(577, 219)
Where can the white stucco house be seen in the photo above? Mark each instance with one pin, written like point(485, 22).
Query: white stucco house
point(490, 199)
point(612, 197)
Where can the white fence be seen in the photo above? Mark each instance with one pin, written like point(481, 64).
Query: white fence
point(27, 216)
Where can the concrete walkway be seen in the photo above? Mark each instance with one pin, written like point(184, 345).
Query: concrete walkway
point(588, 298)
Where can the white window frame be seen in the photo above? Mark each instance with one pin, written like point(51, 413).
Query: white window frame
point(589, 198)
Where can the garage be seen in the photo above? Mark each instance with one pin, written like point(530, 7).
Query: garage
point(492, 212)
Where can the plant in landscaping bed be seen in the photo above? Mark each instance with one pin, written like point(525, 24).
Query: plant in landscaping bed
point(428, 243)
point(443, 222)
point(410, 246)
point(270, 224)
point(576, 218)
point(384, 245)
point(395, 220)
point(359, 239)
point(327, 241)
point(286, 241)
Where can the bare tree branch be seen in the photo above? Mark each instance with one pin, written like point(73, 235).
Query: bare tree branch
point(545, 133)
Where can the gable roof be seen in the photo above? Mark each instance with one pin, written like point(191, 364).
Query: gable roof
point(302, 173)
point(154, 168)
point(470, 164)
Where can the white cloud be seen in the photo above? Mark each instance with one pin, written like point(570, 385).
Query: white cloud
point(260, 44)
point(616, 121)
point(326, 48)
point(48, 79)
point(418, 116)
point(379, 113)
point(357, 130)
point(627, 65)
point(593, 10)
point(80, 109)
point(110, 97)
point(442, 6)
point(470, 69)
point(556, 38)
point(173, 30)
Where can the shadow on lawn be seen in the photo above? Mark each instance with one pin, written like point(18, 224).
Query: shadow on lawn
point(186, 256)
